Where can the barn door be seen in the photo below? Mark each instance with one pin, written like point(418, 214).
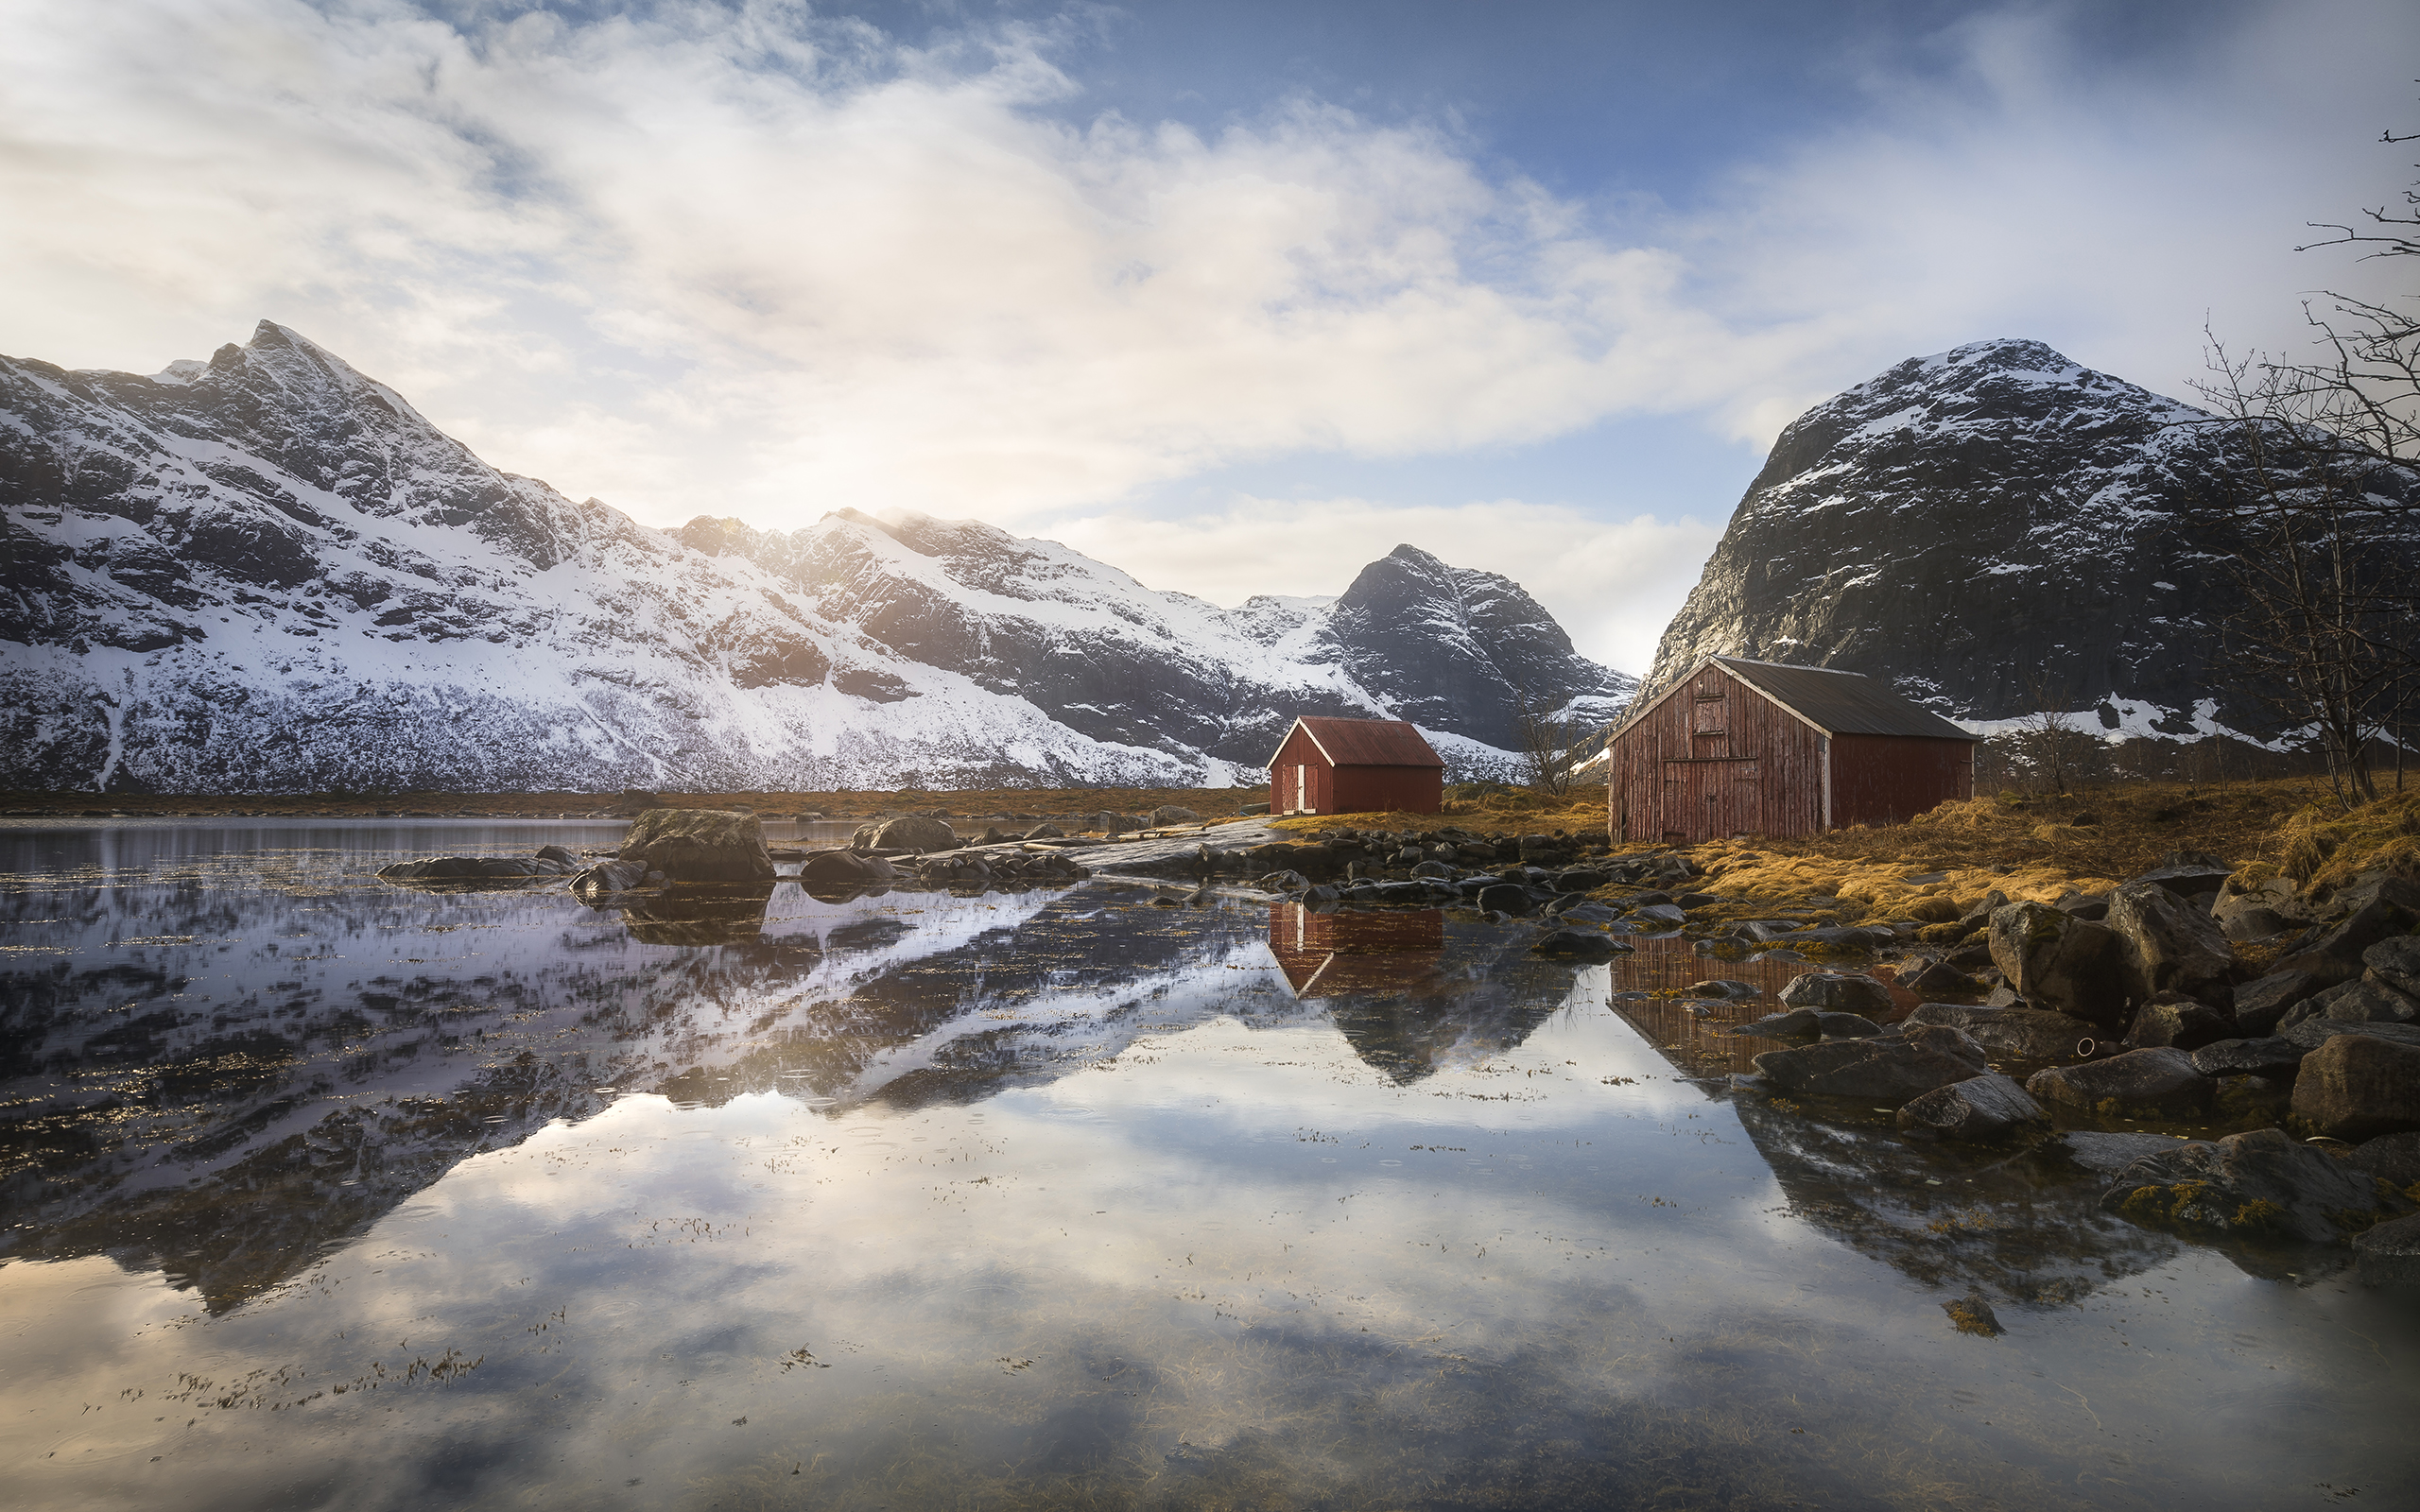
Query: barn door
point(1706, 799)
point(1302, 789)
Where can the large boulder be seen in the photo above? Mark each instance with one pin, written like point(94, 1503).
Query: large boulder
point(1174, 814)
point(2170, 1019)
point(1798, 1024)
point(2026, 1034)
point(2260, 1004)
point(1836, 992)
point(2391, 963)
point(2360, 1000)
point(2356, 1085)
point(2387, 1254)
point(845, 869)
point(2159, 1081)
point(2263, 1183)
point(1887, 1068)
point(2169, 946)
point(905, 831)
point(2188, 873)
point(2336, 955)
point(1989, 1106)
point(2394, 1159)
point(2067, 965)
point(2249, 1058)
point(2312, 1033)
point(699, 845)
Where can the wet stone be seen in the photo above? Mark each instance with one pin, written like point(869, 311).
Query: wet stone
point(2265, 1184)
point(2387, 1254)
point(1891, 1068)
point(2161, 1081)
point(1836, 992)
point(2027, 1033)
point(2272, 1057)
point(2394, 1159)
point(1846, 1026)
point(1989, 1106)
point(1799, 1024)
point(2355, 1086)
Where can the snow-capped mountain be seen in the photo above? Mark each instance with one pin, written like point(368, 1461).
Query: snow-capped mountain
point(1966, 522)
point(267, 572)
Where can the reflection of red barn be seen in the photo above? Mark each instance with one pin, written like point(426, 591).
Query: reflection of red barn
point(1759, 747)
point(1333, 955)
point(1354, 766)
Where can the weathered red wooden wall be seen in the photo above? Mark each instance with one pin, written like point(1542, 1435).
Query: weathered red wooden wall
point(1382, 789)
point(1715, 758)
point(1888, 779)
point(1319, 788)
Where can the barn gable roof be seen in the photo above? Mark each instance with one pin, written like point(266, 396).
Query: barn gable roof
point(1835, 702)
point(1363, 743)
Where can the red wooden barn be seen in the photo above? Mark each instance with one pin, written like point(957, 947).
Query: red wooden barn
point(1760, 748)
point(1354, 766)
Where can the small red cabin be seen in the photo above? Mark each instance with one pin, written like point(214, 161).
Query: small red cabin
point(1762, 747)
point(1354, 766)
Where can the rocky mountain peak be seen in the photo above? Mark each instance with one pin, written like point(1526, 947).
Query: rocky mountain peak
point(1972, 524)
point(269, 572)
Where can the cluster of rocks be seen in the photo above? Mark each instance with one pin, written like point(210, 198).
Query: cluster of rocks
point(550, 861)
point(2153, 1015)
point(1530, 874)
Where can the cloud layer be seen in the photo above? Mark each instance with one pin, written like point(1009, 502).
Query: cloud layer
point(744, 259)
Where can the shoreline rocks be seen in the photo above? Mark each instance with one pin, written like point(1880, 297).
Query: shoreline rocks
point(2160, 1080)
point(699, 845)
point(2262, 1183)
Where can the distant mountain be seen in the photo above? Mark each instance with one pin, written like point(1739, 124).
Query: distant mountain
point(268, 572)
point(1968, 520)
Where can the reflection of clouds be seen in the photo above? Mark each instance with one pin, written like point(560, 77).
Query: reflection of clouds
point(1195, 1286)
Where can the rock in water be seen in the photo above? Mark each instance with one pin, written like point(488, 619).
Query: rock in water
point(2169, 946)
point(2263, 1183)
point(2387, 1254)
point(2028, 1034)
point(608, 877)
point(1991, 1107)
point(1891, 1068)
point(2067, 965)
point(1581, 944)
point(906, 832)
point(699, 845)
point(2139, 1081)
point(1836, 992)
point(2357, 1085)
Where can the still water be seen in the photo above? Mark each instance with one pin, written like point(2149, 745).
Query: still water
point(322, 1192)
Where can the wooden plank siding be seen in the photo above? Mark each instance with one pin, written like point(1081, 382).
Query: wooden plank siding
point(1388, 789)
point(1714, 758)
point(1892, 779)
point(1300, 779)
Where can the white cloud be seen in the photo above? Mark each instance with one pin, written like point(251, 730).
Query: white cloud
point(741, 259)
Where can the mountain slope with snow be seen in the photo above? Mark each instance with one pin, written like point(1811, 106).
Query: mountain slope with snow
point(268, 572)
point(1969, 520)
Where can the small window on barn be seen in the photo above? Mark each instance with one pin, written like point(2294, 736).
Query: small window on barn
point(1710, 715)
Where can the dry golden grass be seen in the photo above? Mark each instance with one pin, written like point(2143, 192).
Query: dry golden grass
point(2085, 842)
point(1518, 812)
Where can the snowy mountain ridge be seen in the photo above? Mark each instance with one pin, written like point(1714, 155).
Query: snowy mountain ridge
point(269, 573)
point(1988, 527)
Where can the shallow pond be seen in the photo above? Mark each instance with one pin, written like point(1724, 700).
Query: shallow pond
point(324, 1192)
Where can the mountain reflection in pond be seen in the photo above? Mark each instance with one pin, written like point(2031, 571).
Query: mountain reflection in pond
point(321, 1192)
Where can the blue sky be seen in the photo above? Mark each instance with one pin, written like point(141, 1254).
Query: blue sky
point(1234, 296)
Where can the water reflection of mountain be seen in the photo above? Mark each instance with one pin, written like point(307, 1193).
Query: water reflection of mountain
point(217, 1057)
point(1411, 989)
point(217, 1073)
